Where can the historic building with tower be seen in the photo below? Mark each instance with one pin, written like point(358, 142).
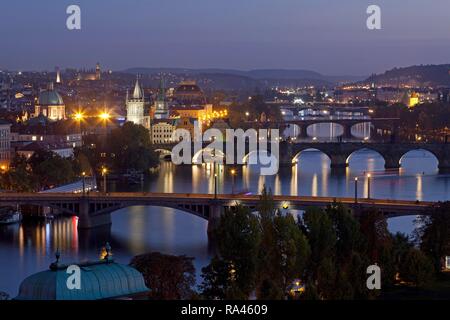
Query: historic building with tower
point(161, 105)
point(137, 111)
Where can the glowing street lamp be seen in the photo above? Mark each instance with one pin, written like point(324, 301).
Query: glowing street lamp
point(83, 174)
point(368, 185)
point(233, 173)
point(79, 117)
point(215, 186)
point(104, 173)
point(356, 189)
point(105, 116)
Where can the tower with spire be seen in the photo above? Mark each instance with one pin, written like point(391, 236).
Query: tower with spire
point(98, 71)
point(161, 106)
point(58, 76)
point(136, 109)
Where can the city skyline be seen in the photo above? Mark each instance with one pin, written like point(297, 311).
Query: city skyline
point(322, 36)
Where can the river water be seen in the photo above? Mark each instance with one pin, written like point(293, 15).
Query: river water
point(28, 248)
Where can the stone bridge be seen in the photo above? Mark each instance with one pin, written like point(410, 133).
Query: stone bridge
point(339, 153)
point(346, 124)
point(95, 209)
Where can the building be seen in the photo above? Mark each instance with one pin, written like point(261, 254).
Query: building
point(5, 144)
point(162, 130)
point(136, 108)
point(189, 93)
point(411, 99)
point(98, 280)
point(50, 104)
point(188, 124)
point(161, 105)
point(63, 150)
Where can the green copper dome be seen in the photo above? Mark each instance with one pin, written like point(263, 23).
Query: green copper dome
point(50, 98)
point(99, 280)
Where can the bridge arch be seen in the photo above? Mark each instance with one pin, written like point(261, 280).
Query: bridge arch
point(198, 156)
point(296, 157)
point(366, 149)
point(338, 128)
point(249, 157)
point(425, 152)
point(163, 153)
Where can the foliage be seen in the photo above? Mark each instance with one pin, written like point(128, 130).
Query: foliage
point(433, 233)
point(417, 268)
point(239, 235)
point(125, 148)
point(168, 277)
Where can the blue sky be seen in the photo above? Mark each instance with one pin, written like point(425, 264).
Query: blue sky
point(328, 36)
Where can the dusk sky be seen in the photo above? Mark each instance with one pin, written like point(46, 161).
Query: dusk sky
point(327, 36)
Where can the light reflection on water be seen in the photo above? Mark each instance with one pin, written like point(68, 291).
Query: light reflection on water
point(29, 248)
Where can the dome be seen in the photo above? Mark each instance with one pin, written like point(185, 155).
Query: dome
point(50, 98)
point(99, 280)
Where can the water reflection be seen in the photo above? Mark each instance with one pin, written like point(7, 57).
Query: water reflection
point(30, 247)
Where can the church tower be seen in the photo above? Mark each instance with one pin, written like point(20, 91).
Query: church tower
point(136, 110)
point(58, 75)
point(98, 72)
point(161, 106)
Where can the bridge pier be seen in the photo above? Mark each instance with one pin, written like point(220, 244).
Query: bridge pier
point(444, 165)
point(391, 162)
point(88, 220)
point(286, 155)
point(347, 132)
point(338, 161)
point(215, 212)
point(303, 132)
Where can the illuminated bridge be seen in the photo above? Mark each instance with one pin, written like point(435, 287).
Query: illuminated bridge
point(338, 153)
point(95, 209)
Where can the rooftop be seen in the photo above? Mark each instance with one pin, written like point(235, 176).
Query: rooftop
point(103, 279)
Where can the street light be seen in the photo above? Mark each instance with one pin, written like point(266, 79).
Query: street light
point(368, 185)
point(104, 173)
point(79, 117)
point(233, 173)
point(105, 116)
point(356, 189)
point(215, 186)
point(83, 174)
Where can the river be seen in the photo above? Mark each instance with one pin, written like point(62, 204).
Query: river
point(28, 248)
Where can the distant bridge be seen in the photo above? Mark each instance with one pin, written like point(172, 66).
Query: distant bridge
point(95, 209)
point(339, 153)
point(346, 124)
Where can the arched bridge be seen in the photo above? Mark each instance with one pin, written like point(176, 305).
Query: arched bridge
point(392, 153)
point(346, 124)
point(339, 153)
point(95, 209)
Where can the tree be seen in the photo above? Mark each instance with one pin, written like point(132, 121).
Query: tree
point(50, 168)
point(374, 227)
point(218, 281)
point(321, 236)
point(168, 277)
point(238, 238)
point(416, 268)
point(130, 149)
point(433, 233)
point(19, 177)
